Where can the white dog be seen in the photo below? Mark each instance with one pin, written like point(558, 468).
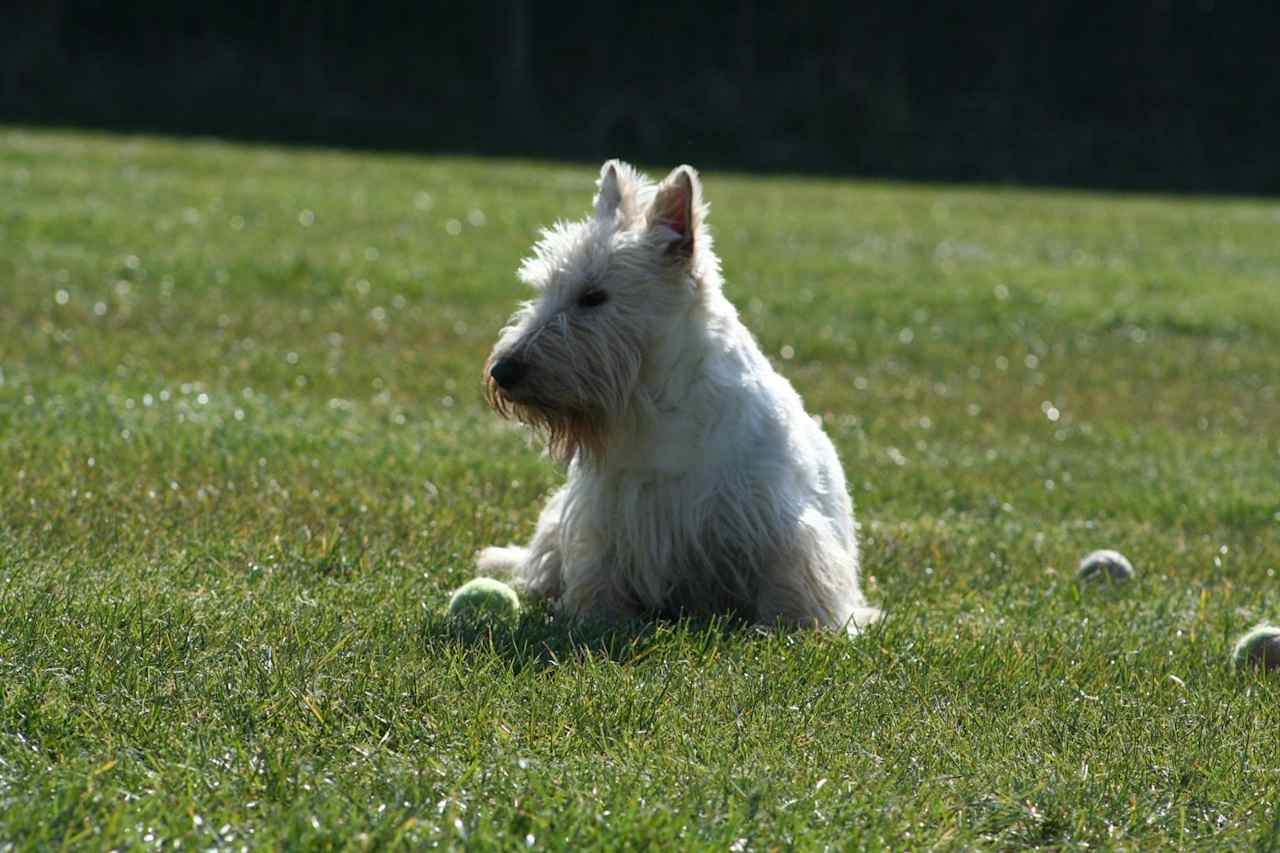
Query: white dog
point(697, 484)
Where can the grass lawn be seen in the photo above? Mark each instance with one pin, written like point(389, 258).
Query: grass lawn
point(246, 457)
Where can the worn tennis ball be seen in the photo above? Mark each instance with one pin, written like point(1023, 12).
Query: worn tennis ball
point(484, 597)
point(1259, 647)
point(1113, 564)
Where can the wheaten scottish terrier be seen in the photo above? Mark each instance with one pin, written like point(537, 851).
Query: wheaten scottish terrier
point(697, 484)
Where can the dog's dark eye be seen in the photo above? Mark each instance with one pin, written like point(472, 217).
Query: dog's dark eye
point(592, 298)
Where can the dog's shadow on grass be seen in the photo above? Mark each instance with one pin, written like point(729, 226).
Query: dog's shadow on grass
point(538, 640)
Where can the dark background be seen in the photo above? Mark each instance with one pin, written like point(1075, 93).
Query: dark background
point(1178, 96)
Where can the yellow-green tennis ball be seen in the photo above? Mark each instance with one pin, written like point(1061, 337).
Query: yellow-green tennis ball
point(484, 598)
point(1259, 647)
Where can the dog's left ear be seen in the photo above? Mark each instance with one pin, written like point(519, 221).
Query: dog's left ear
point(677, 209)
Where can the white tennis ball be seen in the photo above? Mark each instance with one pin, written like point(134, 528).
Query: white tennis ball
point(1259, 647)
point(1113, 564)
point(484, 597)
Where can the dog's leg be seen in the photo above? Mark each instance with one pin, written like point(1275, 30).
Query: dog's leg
point(593, 595)
point(799, 602)
point(500, 561)
point(535, 569)
point(815, 583)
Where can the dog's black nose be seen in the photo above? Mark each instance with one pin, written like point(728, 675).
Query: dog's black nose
point(507, 372)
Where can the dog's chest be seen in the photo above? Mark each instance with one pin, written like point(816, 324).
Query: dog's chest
point(669, 540)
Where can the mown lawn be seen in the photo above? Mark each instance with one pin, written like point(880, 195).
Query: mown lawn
point(244, 457)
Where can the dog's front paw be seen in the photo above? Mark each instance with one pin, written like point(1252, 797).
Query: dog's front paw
point(500, 561)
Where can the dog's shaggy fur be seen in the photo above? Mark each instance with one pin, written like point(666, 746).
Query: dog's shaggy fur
point(697, 484)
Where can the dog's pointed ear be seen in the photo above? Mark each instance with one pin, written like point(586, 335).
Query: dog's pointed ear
point(613, 190)
point(677, 208)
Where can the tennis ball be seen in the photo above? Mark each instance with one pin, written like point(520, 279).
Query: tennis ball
point(1111, 563)
point(484, 598)
point(1259, 647)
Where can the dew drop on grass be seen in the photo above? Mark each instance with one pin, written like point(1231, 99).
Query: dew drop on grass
point(453, 227)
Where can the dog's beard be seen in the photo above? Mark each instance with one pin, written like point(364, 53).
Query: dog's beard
point(568, 431)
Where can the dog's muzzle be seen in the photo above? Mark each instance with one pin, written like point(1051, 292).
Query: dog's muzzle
point(507, 373)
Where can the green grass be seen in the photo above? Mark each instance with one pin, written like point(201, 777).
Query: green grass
point(245, 458)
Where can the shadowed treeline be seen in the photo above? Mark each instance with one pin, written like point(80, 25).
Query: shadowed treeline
point(1161, 95)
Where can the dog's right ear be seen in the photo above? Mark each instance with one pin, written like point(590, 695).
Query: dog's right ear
point(608, 190)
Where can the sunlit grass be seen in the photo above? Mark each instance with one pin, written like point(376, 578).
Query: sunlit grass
point(246, 458)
